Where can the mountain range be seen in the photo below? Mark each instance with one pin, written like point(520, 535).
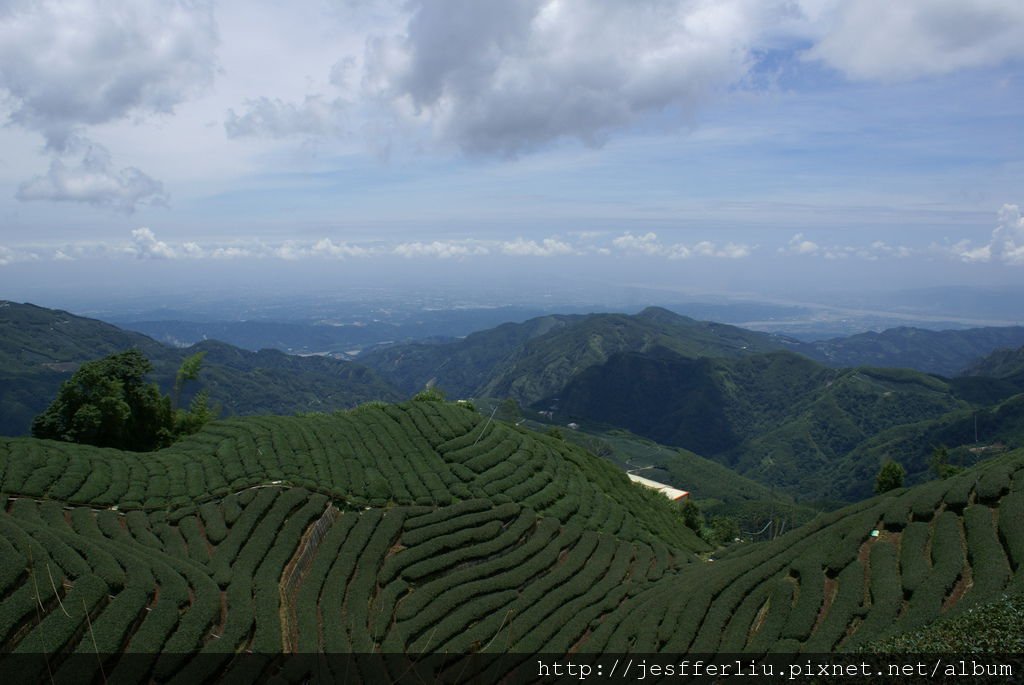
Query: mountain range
point(756, 403)
point(40, 348)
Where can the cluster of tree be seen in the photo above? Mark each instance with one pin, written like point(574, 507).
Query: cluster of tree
point(717, 531)
point(109, 403)
point(892, 473)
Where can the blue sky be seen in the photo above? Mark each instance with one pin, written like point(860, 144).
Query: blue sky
point(734, 143)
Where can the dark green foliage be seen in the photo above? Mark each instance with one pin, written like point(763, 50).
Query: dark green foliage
point(1002, 363)
point(1011, 514)
point(993, 627)
point(778, 418)
point(692, 518)
point(431, 394)
point(108, 403)
point(985, 553)
point(940, 463)
point(889, 477)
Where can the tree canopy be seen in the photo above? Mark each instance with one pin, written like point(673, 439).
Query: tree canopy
point(108, 403)
point(890, 477)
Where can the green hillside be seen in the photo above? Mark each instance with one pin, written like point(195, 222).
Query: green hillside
point(716, 489)
point(425, 528)
point(40, 349)
point(970, 435)
point(416, 527)
point(460, 367)
point(537, 358)
point(942, 548)
point(779, 418)
point(941, 352)
point(1005, 364)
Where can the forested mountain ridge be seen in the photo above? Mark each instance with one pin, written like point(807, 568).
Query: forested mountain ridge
point(777, 417)
point(40, 348)
point(535, 359)
point(458, 367)
point(1006, 364)
point(946, 353)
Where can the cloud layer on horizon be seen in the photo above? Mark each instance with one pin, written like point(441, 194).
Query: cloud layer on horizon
point(1006, 246)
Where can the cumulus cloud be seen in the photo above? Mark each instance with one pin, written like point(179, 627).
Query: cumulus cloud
point(94, 181)
point(316, 116)
point(237, 252)
point(1008, 236)
point(1006, 244)
point(324, 247)
point(67, 66)
point(549, 247)
point(888, 41)
point(799, 245)
point(329, 248)
point(146, 246)
point(648, 244)
point(506, 77)
point(442, 249)
point(727, 251)
point(502, 78)
point(10, 256)
point(966, 252)
point(72, 64)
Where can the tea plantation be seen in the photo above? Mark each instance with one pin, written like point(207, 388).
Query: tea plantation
point(425, 528)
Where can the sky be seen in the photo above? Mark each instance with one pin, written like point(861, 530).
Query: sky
point(725, 145)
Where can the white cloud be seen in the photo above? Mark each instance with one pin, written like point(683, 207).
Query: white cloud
point(882, 248)
point(315, 116)
point(549, 247)
point(10, 256)
point(327, 247)
point(966, 252)
point(441, 249)
point(67, 66)
point(94, 181)
point(890, 41)
point(146, 246)
point(799, 245)
point(503, 78)
point(87, 62)
point(324, 247)
point(507, 77)
point(1006, 245)
point(678, 251)
point(734, 251)
point(1008, 237)
point(237, 252)
point(647, 244)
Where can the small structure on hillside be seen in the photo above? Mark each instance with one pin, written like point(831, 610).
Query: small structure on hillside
point(674, 494)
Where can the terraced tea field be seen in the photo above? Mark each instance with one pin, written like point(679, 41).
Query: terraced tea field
point(424, 528)
point(889, 565)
